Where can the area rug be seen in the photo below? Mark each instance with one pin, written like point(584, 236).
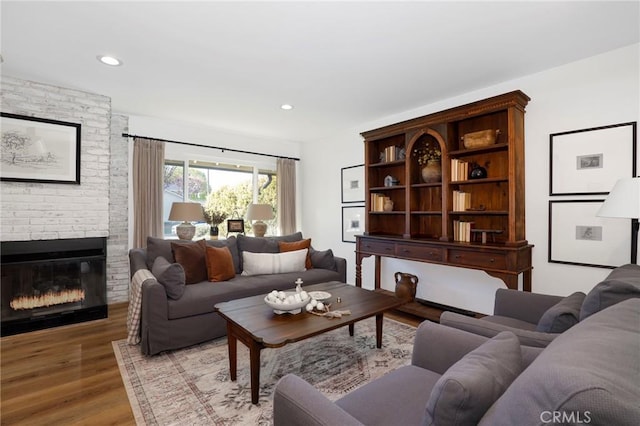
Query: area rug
point(192, 387)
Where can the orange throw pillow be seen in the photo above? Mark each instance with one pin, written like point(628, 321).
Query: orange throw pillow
point(220, 264)
point(298, 245)
point(191, 256)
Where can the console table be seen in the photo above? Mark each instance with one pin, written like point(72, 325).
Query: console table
point(500, 261)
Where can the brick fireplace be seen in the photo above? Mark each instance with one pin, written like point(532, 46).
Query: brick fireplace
point(52, 282)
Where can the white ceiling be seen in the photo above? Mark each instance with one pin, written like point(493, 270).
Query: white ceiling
point(232, 64)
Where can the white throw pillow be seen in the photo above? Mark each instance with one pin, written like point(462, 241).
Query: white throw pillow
point(273, 263)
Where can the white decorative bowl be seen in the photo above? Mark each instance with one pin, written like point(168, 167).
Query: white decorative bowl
point(284, 308)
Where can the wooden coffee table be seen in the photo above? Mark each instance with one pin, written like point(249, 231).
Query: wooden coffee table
point(255, 324)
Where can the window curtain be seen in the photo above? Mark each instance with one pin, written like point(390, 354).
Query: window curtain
point(148, 167)
point(286, 171)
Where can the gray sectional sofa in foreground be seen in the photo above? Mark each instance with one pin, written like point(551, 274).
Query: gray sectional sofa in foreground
point(175, 316)
point(587, 375)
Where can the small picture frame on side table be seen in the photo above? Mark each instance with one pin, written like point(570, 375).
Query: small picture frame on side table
point(590, 161)
point(578, 237)
point(353, 218)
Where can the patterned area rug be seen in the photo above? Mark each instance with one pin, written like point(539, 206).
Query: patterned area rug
point(191, 386)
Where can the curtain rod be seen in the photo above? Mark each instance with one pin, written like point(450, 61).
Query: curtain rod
point(127, 135)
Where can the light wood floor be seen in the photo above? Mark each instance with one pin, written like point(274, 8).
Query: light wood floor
point(65, 375)
point(69, 375)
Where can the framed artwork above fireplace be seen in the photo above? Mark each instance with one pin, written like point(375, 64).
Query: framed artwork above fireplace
point(39, 150)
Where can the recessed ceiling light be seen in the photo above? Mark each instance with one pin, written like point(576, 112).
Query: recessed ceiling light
point(286, 107)
point(109, 60)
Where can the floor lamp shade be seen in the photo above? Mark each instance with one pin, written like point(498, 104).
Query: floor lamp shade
point(624, 202)
point(186, 212)
point(259, 212)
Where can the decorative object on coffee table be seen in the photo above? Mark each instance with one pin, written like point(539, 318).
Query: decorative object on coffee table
point(187, 212)
point(259, 212)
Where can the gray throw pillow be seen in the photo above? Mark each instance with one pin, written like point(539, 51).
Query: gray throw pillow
point(563, 315)
point(470, 386)
point(621, 284)
point(323, 259)
point(157, 247)
point(170, 275)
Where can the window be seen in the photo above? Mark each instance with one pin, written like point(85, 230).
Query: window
point(223, 188)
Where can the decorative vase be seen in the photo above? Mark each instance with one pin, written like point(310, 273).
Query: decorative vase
point(388, 205)
point(432, 172)
point(478, 172)
point(406, 285)
point(213, 232)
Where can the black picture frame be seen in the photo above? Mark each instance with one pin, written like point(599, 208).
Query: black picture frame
point(352, 181)
point(590, 161)
point(353, 223)
point(40, 150)
point(235, 225)
point(578, 237)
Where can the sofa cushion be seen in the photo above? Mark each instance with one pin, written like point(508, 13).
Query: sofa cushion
point(375, 403)
point(158, 247)
point(273, 263)
point(285, 246)
point(170, 275)
point(590, 369)
point(219, 264)
point(470, 386)
point(231, 243)
point(621, 284)
point(563, 315)
point(192, 258)
point(322, 259)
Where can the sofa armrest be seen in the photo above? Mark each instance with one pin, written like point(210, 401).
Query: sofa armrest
point(490, 329)
point(297, 403)
point(437, 347)
point(341, 268)
point(523, 305)
point(137, 260)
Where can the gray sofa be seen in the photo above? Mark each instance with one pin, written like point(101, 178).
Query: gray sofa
point(587, 375)
point(537, 319)
point(171, 321)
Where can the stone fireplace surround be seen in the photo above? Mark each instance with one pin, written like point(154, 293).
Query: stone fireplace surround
point(98, 207)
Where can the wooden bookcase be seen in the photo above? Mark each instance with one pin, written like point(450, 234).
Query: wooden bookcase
point(422, 224)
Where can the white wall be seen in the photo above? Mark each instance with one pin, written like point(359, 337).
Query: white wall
point(593, 92)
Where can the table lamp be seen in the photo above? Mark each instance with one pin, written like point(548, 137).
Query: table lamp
point(259, 212)
point(186, 212)
point(624, 202)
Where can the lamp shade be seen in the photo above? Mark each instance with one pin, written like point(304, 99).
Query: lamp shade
point(623, 201)
point(186, 212)
point(259, 212)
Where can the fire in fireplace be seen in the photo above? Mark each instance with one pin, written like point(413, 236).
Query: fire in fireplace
point(52, 282)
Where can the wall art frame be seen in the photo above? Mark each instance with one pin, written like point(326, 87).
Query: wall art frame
point(353, 224)
point(590, 161)
point(40, 150)
point(352, 180)
point(578, 237)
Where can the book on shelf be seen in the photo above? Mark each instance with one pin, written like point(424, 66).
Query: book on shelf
point(392, 153)
point(459, 169)
point(461, 201)
point(377, 202)
point(462, 230)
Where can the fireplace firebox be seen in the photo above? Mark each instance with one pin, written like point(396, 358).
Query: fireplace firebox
point(48, 283)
